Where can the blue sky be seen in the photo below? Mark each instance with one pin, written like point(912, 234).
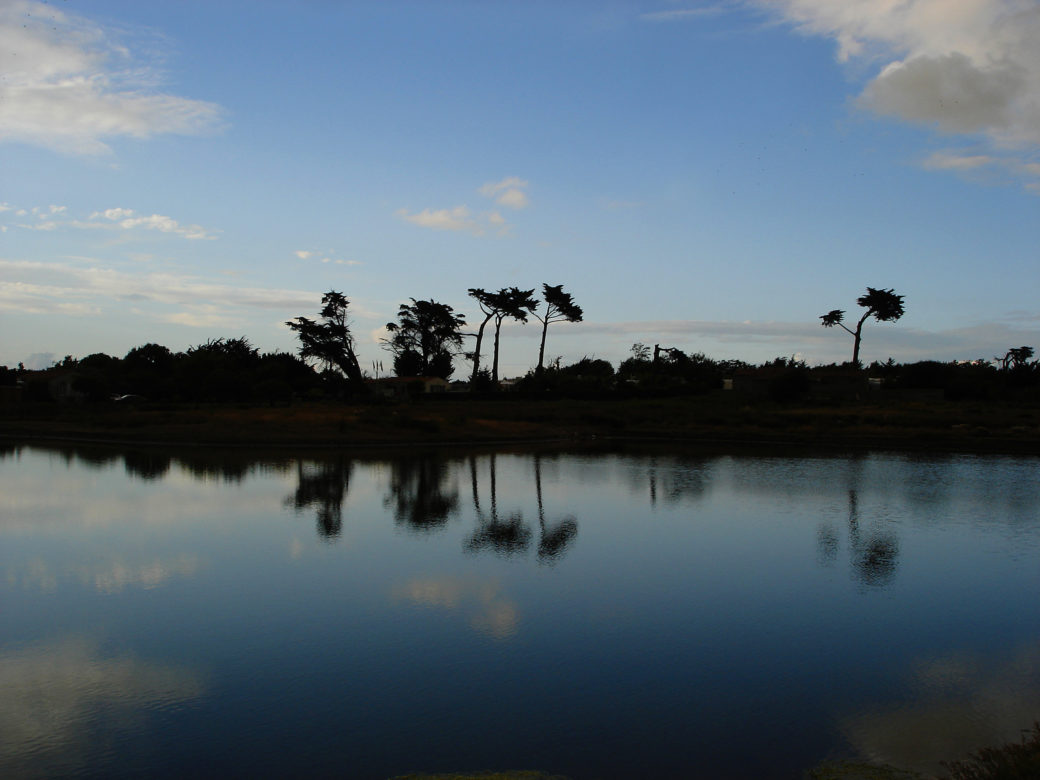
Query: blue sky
point(710, 176)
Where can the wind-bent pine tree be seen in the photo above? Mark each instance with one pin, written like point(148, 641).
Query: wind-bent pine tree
point(330, 340)
point(559, 307)
point(515, 304)
point(489, 305)
point(882, 305)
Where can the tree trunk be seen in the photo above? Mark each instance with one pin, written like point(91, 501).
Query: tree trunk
point(541, 348)
point(494, 363)
point(857, 336)
point(476, 352)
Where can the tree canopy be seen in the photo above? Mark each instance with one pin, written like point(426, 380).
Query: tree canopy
point(882, 305)
point(513, 303)
point(559, 306)
point(329, 340)
point(425, 338)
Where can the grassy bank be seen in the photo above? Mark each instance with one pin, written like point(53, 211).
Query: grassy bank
point(718, 418)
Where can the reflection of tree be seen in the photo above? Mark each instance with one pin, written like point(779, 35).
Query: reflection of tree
point(873, 552)
point(146, 465)
point(672, 481)
point(874, 555)
point(220, 467)
point(323, 485)
point(418, 493)
point(504, 537)
point(555, 538)
point(510, 535)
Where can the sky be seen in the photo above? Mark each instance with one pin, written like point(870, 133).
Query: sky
point(710, 176)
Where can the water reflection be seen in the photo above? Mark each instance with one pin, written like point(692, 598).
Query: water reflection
point(873, 547)
point(699, 592)
point(147, 465)
point(488, 610)
point(323, 486)
point(556, 536)
point(503, 536)
point(510, 534)
point(64, 701)
point(421, 492)
point(959, 701)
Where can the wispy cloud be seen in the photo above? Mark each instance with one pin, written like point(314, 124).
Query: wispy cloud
point(128, 219)
point(509, 192)
point(324, 257)
point(681, 14)
point(948, 161)
point(456, 218)
point(970, 68)
point(32, 287)
point(70, 85)
point(117, 219)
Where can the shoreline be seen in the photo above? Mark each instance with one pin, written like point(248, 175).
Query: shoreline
point(712, 422)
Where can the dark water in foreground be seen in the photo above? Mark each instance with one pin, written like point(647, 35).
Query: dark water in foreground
point(593, 615)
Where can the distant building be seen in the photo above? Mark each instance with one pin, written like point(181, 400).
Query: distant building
point(408, 386)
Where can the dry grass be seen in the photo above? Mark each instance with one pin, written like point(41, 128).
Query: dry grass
point(717, 418)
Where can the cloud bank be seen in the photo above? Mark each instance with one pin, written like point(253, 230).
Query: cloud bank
point(962, 68)
point(69, 85)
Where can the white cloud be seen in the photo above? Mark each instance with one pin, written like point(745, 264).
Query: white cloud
point(114, 219)
point(957, 162)
point(966, 67)
point(306, 254)
point(457, 218)
point(508, 192)
point(69, 85)
point(127, 219)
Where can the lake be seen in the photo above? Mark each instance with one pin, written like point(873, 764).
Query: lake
point(594, 614)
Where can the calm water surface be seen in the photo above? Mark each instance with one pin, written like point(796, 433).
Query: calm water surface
point(596, 615)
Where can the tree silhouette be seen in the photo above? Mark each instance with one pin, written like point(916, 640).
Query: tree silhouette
point(516, 304)
point(488, 304)
point(882, 305)
point(559, 306)
point(1015, 358)
point(425, 338)
point(330, 340)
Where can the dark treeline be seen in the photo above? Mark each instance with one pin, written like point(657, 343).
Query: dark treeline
point(219, 370)
point(427, 339)
point(232, 371)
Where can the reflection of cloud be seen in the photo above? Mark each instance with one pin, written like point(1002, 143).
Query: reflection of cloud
point(964, 701)
point(36, 576)
point(489, 612)
point(108, 576)
point(115, 576)
point(53, 694)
